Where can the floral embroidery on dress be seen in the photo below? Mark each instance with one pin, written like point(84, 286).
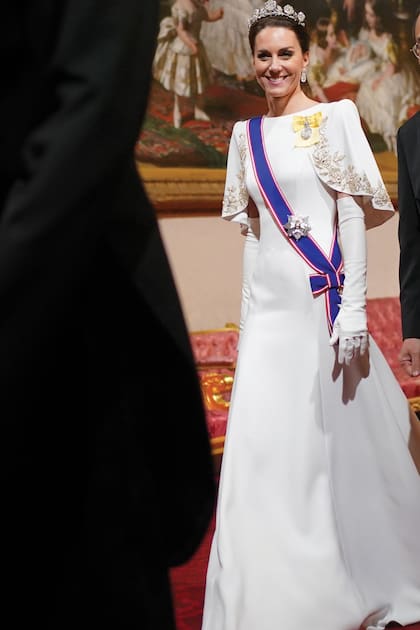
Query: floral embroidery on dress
point(236, 195)
point(347, 178)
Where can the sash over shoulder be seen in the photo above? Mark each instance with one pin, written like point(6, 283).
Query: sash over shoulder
point(328, 277)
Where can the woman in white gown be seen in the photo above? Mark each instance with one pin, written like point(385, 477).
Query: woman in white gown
point(318, 514)
point(181, 63)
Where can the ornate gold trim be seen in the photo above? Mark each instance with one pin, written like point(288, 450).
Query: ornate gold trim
point(229, 326)
point(184, 191)
point(189, 191)
point(217, 444)
point(387, 162)
point(415, 403)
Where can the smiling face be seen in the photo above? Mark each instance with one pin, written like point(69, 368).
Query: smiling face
point(278, 62)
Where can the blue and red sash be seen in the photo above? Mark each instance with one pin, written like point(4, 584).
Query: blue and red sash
point(328, 277)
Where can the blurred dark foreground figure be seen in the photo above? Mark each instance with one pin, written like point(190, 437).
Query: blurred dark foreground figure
point(101, 489)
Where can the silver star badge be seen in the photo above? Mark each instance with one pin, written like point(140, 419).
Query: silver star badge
point(297, 226)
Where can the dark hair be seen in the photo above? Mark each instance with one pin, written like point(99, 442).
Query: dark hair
point(274, 20)
point(384, 15)
point(321, 29)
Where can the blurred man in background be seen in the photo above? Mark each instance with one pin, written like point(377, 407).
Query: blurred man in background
point(408, 147)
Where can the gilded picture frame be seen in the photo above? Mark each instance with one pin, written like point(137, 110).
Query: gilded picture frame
point(183, 168)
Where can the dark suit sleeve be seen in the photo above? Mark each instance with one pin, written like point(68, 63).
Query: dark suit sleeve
point(409, 228)
point(85, 285)
point(90, 95)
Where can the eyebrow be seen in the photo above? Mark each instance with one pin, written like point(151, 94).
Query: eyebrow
point(284, 49)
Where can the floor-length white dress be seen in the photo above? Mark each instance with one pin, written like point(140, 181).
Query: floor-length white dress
point(318, 517)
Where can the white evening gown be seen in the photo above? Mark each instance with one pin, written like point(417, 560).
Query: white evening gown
point(318, 517)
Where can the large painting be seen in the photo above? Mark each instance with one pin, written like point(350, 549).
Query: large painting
point(360, 49)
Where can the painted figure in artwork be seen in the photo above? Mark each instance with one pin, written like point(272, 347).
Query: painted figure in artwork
point(328, 73)
point(389, 90)
point(181, 63)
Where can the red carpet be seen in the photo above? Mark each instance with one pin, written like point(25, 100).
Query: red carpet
point(188, 582)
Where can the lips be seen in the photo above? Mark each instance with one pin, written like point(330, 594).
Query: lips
point(277, 80)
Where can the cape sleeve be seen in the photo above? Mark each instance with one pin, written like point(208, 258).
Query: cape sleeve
point(236, 198)
point(344, 161)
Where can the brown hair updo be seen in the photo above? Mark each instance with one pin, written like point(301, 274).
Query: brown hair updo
point(280, 20)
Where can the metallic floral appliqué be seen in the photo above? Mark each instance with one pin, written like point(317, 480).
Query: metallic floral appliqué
point(347, 178)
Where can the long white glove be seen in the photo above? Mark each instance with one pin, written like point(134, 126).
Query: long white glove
point(248, 263)
point(350, 326)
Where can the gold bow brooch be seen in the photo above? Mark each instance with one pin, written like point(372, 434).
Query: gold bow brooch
point(306, 129)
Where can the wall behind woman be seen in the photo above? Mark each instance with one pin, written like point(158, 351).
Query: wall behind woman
point(206, 258)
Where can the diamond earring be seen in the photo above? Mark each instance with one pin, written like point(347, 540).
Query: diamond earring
point(303, 76)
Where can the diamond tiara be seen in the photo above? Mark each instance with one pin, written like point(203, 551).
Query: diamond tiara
point(272, 9)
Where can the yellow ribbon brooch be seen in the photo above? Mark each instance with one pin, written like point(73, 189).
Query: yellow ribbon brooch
point(306, 129)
